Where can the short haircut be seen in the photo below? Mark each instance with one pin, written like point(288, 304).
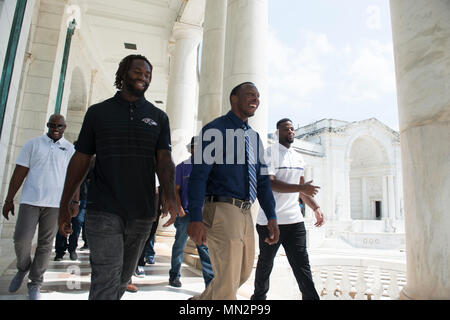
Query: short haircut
point(283, 121)
point(235, 90)
point(192, 144)
point(57, 116)
point(124, 66)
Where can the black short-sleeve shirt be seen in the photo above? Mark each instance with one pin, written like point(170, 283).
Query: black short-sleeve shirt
point(124, 137)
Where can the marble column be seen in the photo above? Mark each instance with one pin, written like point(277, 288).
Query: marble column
point(211, 74)
point(421, 30)
point(347, 216)
point(365, 206)
point(384, 202)
point(246, 55)
point(398, 198)
point(182, 95)
point(391, 197)
point(183, 87)
point(91, 86)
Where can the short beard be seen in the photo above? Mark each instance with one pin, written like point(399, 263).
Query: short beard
point(127, 84)
point(248, 114)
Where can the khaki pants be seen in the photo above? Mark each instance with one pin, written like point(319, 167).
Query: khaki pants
point(231, 244)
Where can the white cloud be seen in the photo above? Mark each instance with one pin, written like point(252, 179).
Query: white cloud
point(342, 67)
point(295, 73)
point(371, 74)
point(347, 50)
point(311, 78)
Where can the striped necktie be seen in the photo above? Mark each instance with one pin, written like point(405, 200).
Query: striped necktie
point(251, 166)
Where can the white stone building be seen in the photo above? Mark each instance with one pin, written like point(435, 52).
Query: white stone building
point(358, 167)
point(42, 74)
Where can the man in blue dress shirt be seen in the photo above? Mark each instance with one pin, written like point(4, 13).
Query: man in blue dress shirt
point(229, 155)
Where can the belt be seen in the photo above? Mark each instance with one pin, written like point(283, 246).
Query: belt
point(241, 204)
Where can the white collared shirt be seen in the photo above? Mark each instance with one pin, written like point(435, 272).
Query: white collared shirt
point(287, 166)
point(47, 161)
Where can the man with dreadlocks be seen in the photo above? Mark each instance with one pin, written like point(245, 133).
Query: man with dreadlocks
point(131, 140)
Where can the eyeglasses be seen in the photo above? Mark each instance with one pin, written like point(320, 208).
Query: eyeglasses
point(54, 125)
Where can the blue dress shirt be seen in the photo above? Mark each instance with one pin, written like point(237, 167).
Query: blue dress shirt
point(219, 167)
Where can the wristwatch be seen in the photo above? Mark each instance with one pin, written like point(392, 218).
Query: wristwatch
point(75, 202)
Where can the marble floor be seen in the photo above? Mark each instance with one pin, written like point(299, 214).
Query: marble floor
point(70, 280)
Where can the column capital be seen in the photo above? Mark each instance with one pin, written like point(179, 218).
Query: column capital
point(171, 47)
point(186, 31)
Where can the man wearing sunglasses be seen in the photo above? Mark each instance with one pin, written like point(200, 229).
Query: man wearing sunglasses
point(43, 162)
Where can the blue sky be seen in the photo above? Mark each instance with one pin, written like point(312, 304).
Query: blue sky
point(331, 59)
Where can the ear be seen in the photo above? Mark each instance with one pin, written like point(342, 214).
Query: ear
point(234, 99)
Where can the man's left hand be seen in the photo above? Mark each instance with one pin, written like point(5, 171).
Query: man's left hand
point(320, 220)
point(169, 207)
point(64, 218)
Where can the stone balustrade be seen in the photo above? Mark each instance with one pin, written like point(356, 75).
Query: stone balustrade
point(358, 282)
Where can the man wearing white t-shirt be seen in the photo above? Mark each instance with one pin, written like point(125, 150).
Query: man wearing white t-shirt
point(43, 162)
point(286, 169)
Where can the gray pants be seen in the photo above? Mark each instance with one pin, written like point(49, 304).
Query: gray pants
point(28, 218)
point(115, 247)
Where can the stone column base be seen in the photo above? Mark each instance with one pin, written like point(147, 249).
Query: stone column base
point(404, 296)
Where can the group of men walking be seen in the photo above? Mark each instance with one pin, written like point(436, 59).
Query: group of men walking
point(209, 197)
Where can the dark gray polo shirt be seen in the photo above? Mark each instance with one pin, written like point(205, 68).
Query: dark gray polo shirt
point(124, 137)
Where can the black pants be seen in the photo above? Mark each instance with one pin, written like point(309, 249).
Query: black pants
point(71, 243)
point(293, 239)
point(115, 246)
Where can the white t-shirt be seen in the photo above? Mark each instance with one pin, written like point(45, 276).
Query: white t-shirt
point(47, 161)
point(287, 166)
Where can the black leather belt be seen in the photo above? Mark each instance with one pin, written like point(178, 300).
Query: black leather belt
point(241, 204)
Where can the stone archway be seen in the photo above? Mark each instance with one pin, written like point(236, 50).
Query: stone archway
point(368, 168)
point(77, 105)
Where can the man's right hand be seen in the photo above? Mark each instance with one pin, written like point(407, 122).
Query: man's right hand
point(16, 181)
point(181, 212)
point(309, 189)
point(64, 220)
point(7, 207)
point(274, 232)
point(196, 231)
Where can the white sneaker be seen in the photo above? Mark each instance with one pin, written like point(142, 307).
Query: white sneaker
point(140, 272)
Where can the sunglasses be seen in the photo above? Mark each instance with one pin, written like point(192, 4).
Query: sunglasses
point(54, 126)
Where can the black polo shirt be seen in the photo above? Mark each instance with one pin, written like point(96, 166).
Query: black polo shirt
point(124, 137)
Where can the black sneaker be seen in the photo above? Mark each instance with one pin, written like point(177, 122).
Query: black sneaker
point(175, 282)
point(73, 256)
point(58, 257)
point(84, 247)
